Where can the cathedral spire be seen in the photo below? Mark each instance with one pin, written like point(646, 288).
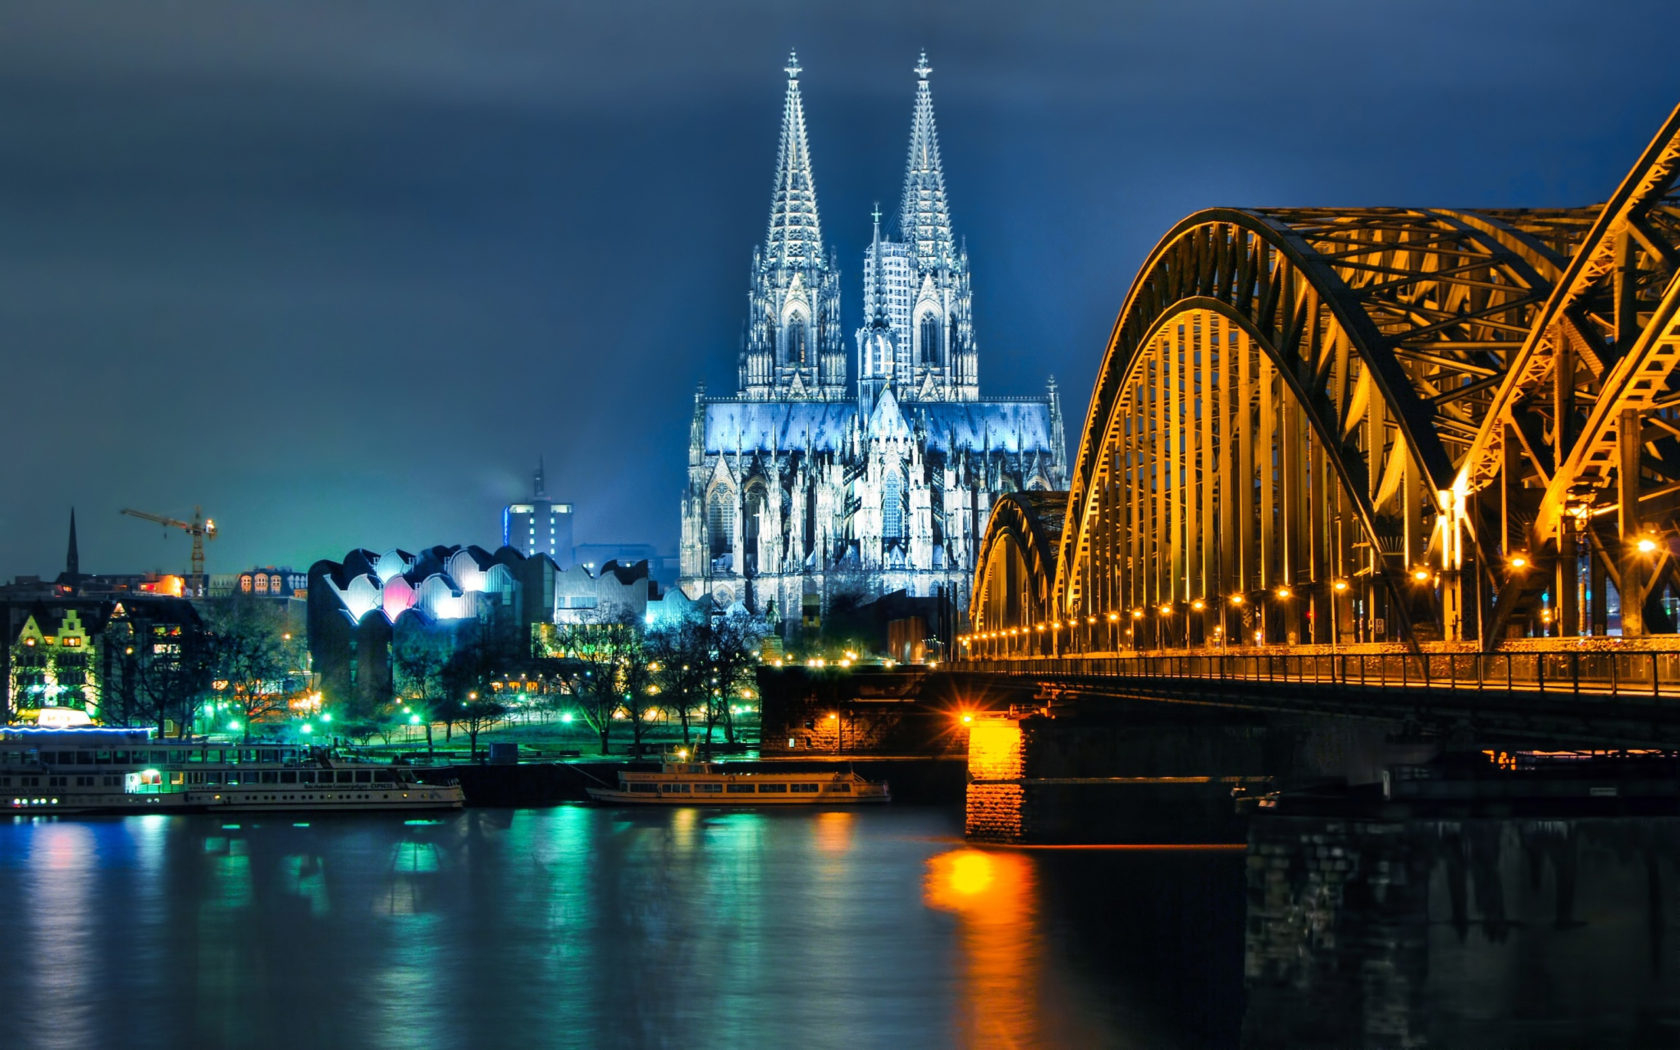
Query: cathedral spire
point(925, 215)
point(795, 236)
point(879, 291)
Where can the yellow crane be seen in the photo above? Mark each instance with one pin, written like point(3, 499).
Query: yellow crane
point(199, 528)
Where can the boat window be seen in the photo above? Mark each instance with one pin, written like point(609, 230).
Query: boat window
point(159, 758)
point(363, 777)
point(739, 789)
point(712, 789)
point(270, 754)
point(306, 777)
point(248, 754)
point(119, 756)
point(288, 777)
point(270, 777)
point(346, 777)
point(649, 788)
point(841, 787)
point(766, 788)
point(670, 789)
point(802, 787)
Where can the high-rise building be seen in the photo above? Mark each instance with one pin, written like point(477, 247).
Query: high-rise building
point(540, 526)
point(803, 487)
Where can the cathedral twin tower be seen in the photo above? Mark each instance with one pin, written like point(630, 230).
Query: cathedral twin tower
point(918, 334)
point(802, 487)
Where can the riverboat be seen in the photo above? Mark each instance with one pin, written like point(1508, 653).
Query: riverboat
point(112, 770)
point(680, 782)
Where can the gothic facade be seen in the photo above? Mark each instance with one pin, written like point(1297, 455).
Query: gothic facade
point(805, 486)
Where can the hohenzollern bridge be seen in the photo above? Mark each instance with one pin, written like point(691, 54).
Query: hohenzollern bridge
point(1372, 448)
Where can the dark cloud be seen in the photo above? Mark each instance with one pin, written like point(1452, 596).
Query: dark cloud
point(340, 271)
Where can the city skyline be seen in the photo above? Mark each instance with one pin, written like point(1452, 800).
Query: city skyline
point(341, 278)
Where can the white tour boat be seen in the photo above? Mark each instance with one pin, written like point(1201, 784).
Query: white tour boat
point(112, 770)
point(680, 782)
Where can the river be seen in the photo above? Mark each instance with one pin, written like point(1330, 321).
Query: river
point(576, 926)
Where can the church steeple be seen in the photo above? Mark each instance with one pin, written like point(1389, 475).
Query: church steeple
point(795, 236)
point(924, 218)
point(792, 347)
point(72, 559)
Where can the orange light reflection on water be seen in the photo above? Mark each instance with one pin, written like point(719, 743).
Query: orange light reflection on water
point(994, 896)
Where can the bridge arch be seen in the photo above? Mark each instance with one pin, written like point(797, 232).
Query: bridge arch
point(1581, 437)
point(1016, 567)
point(1280, 412)
point(1384, 424)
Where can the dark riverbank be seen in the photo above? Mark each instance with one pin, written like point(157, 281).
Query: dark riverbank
point(913, 779)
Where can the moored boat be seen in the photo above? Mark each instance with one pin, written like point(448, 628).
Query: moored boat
point(112, 770)
point(680, 782)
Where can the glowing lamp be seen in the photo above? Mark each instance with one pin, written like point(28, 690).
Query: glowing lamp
point(1420, 575)
point(1646, 545)
point(1340, 586)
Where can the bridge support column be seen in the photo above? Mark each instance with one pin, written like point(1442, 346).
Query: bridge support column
point(1146, 777)
point(1631, 567)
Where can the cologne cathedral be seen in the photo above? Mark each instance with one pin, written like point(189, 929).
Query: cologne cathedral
point(803, 486)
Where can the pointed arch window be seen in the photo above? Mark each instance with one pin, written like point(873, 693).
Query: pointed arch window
point(796, 339)
point(930, 339)
point(720, 522)
point(892, 508)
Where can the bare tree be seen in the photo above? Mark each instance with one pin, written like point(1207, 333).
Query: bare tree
point(735, 642)
point(417, 671)
point(678, 659)
point(477, 716)
point(171, 677)
point(604, 667)
point(251, 656)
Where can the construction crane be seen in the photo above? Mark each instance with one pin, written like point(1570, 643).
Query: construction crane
point(199, 528)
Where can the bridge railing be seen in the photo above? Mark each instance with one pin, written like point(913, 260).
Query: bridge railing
point(1633, 676)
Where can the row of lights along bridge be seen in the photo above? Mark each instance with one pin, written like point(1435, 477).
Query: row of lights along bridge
point(1015, 638)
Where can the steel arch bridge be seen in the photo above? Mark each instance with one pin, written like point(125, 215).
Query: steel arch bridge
point(1367, 425)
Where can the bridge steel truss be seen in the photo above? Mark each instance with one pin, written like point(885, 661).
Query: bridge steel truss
point(1351, 425)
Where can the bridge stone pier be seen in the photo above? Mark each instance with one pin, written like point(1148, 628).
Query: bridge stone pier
point(1146, 773)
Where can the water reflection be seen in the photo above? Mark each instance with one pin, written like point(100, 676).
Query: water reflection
point(577, 926)
point(1463, 933)
point(994, 894)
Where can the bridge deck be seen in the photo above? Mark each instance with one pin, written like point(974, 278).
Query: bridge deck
point(1623, 699)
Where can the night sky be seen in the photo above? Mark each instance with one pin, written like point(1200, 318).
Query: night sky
point(340, 271)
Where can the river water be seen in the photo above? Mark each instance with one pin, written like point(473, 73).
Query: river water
point(583, 927)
